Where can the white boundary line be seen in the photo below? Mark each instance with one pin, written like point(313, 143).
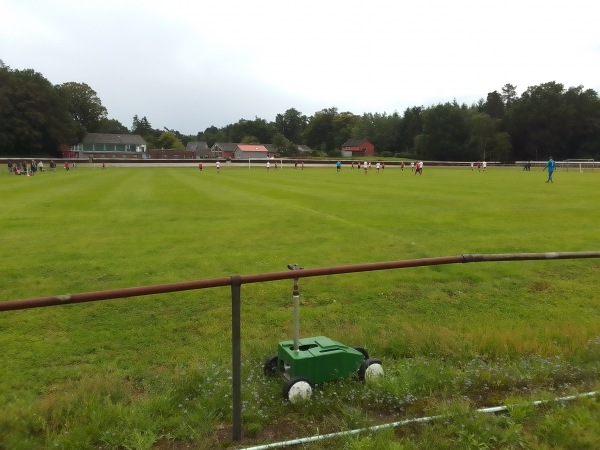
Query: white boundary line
point(321, 437)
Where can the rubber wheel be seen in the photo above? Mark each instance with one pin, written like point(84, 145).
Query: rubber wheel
point(362, 350)
point(370, 369)
point(297, 389)
point(270, 365)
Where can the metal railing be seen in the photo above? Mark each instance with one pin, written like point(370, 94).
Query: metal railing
point(236, 281)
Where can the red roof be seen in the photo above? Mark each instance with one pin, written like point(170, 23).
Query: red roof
point(252, 148)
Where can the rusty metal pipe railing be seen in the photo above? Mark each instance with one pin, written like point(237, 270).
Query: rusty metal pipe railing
point(236, 281)
point(68, 299)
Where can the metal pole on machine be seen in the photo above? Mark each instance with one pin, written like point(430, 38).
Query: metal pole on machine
point(296, 297)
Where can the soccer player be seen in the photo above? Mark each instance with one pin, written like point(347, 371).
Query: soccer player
point(551, 167)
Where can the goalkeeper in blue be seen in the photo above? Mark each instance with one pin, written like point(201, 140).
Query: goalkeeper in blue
point(551, 167)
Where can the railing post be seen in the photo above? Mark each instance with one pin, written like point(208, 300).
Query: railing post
point(236, 357)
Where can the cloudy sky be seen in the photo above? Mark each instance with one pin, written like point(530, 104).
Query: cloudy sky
point(188, 65)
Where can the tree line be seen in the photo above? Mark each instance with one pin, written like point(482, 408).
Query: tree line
point(547, 119)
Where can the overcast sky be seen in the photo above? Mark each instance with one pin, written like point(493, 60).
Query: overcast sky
point(188, 65)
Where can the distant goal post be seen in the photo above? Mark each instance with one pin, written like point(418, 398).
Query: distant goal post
point(580, 165)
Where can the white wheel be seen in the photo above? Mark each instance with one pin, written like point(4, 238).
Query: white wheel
point(370, 370)
point(297, 390)
point(373, 372)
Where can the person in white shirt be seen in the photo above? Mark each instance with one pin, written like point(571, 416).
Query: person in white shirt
point(419, 168)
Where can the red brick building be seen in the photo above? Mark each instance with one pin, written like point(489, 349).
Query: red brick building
point(357, 148)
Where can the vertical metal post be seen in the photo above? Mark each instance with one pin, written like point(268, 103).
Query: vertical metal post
point(236, 354)
point(296, 296)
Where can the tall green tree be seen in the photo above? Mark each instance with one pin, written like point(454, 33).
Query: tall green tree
point(83, 104)
point(410, 126)
point(500, 147)
point(249, 139)
point(259, 128)
point(381, 129)
point(327, 130)
point(34, 119)
point(447, 129)
point(141, 126)
point(111, 126)
point(538, 122)
point(584, 136)
point(284, 146)
point(509, 94)
point(291, 125)
point(482, 130)
point(211, 135)
point(319, 130)
point(343, 124)
point(494, 105)
point(169, 141)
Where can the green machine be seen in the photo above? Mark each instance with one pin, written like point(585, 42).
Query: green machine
point(305, 363)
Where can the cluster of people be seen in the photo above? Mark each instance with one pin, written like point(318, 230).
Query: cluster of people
point(366, 166)
point(25, 168)
point(415, 166)
point(28, 168)
point(18, 168)
point(418, 167)
point(480, 166)
point(32, 167)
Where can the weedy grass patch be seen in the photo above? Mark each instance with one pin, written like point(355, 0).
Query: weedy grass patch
point(154, 372)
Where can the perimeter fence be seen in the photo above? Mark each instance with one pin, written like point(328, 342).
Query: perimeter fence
point(236, 281)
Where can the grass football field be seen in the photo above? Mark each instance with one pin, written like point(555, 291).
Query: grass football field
point(154, 372)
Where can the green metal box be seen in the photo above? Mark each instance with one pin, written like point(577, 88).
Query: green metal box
point(319, 359)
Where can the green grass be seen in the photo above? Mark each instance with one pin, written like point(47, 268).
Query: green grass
point(153, 372)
